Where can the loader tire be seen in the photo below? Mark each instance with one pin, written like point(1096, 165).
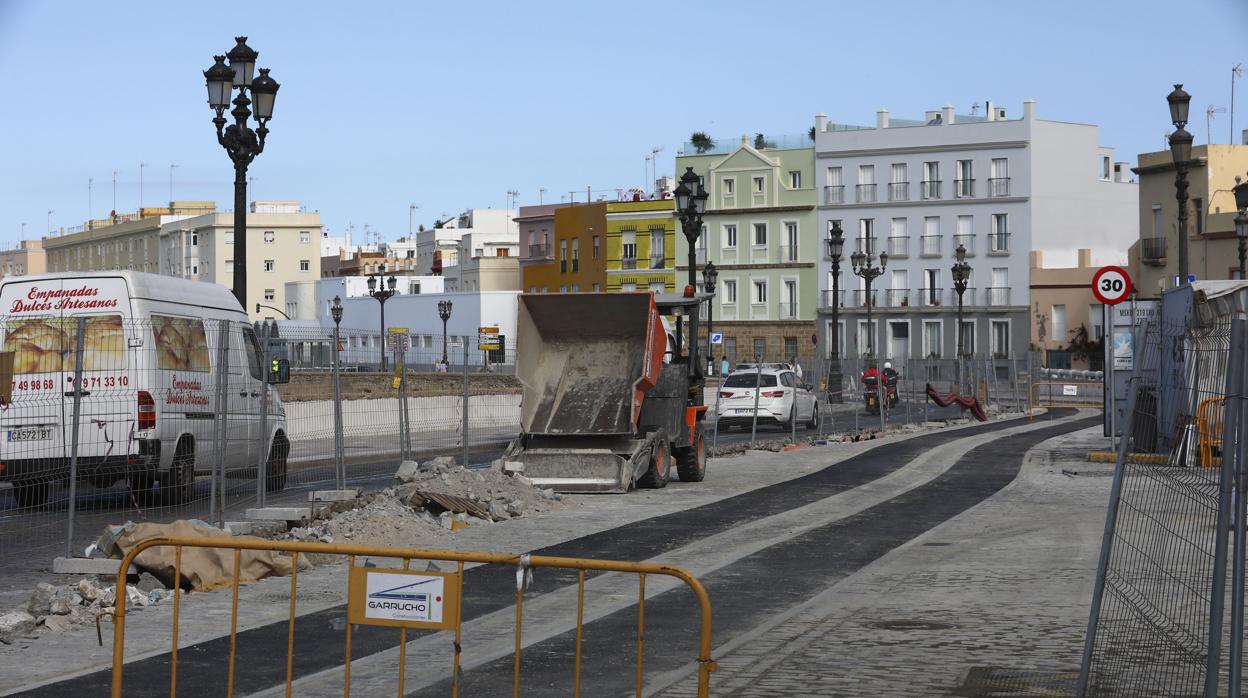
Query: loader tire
point(691, 462)
point(660, 466)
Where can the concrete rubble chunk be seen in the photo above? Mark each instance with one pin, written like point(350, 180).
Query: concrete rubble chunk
point(513, 467)
point(148, 582)
point(515, 507)
point(58, 623)
point(14, 625)
point(41, 599)
point(498, 511)
point(408, 470)
point(522, 480)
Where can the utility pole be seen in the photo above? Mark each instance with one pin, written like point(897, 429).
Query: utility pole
point(114, 191)
point(141, 166)
point(172, 167)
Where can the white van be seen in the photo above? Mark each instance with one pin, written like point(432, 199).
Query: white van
point(149, 384)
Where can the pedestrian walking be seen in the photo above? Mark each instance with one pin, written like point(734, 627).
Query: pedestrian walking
point(723, 367)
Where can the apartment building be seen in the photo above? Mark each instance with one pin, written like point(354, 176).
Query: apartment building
point(438, 247)
point(761, 232)
point(488, 261)
point(185, 241)
point(919, 189)
point(1067, 322)
point(564, 248)
point(1212, 249)
point(640, 246)
point(26, 258)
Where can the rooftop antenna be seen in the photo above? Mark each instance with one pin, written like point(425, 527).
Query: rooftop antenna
point(975, 109)
point(1236, 72)
point(1209, 112)
point(541, 193)
point(654, 165)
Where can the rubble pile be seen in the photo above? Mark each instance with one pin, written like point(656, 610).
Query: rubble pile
point(55, 608)
point(428, 500)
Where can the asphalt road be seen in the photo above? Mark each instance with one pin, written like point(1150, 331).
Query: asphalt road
point(742, 603)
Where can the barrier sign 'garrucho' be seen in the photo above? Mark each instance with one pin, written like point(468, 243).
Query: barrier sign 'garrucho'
point(403, 598)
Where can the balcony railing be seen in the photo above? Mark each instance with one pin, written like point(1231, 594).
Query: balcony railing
point(899, 246)
point(931, 189)
point(931, 297)
point(968, 296)
point(656, 262)
point(967, 240)
point(866, 245)
point(998, 243)
point(758, 311)
point(563, 266)
point(998, 295)
point(929, 245)
point(628, 262)
point(998, 186)
point(899, 191)
point(859, 298)
point(726, 312)
point(825, 298)
point(834, 194)
point(1153, 251)
point(866, 193)
point(897, 297)
point(788, 253)
point(964, 188)
point(539, 250)
point(788, 311)
point(576, 264)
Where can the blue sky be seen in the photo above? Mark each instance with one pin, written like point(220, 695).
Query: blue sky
point(450, 105)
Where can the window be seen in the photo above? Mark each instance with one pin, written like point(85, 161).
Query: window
point(866, 235)
point(597, 288)
point(269, 264)
point(931, 287)
point(760, 292)
point(999, 241)
point(500, 252)
point(968, 337)
point(795, 179)
point(270, 294)
point(628, 287)
point(966, 179)
point(628, 242)
point(269, 237)
point(576, 254)
point(790, 352)
point(1157, 233)
point(730, 186)
point(1096, 311)
point(759, 185)
point(899, 172)
point(760, 354)
point(730, 236)
point(999, 182)
point(835, 177)
point(899, 184)
point(194, 240)
point(791, 238)
point(866, 174)
point(305, 237)
point(657, 251)
point(1199, 210)
point(931, 180)
point(760, 233)
point(1000, 332)
point(730, 347)
point(563, 289)
point(1059, 323)
point(730, 291)
point(658, 286)
point(931, 235)
point(305, 265)
point(1105, 168)
point(563, 256)
point(932, 338)
point(576, 288)
point(194, 268)
point(596, 246)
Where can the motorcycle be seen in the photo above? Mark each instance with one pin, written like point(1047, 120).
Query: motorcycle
point(871, 393)
point(891, 379)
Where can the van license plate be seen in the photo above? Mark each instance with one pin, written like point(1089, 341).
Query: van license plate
point(30, 434)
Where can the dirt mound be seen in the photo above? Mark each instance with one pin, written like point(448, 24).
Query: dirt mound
point(318, 385)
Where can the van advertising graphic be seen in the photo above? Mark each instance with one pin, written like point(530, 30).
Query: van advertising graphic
point(58, 300)
point(48, 344)
point(181, 345)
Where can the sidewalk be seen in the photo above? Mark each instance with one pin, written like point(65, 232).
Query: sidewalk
point(993, 602)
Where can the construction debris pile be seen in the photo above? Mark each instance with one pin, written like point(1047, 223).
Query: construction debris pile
point(58, 608)
point(428, 500)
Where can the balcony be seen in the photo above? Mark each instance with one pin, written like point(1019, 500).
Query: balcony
point(834, 194)
point(998, 186)
point(998, 295)
point(866, 193)
point(825, 298)
point(931, 297)
point(859, 298)
point(899, 246)
point(788, 311)
point(931, 189)
point(899, 191)
point(758, 311)
point(968, 296)
point(966, 240)
point(628, 262)
point(539, 251)
point(897, 297)
point(866, 245)
point(998, 243)
point(656, 261)
point(964, 188)
point(788, 253)
point(1153, 251)
point(929, 245)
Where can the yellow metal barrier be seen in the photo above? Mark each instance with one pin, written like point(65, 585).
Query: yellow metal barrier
point(1052, 394)
point(705, 664)
point(1209, 427)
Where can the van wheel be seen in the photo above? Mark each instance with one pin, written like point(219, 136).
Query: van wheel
point(660, 465)
point(30, 494)
point(691, 462)
point(179, 483)
point(276, 467)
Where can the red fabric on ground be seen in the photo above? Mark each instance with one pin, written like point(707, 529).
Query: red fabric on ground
point(965, 402)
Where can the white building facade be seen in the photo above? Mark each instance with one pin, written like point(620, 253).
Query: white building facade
point(999, 187)
point(442, 242)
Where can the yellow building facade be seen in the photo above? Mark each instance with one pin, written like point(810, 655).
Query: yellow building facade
point(641, 246)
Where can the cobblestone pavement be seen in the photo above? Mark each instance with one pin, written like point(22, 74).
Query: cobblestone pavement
point(1007, 585)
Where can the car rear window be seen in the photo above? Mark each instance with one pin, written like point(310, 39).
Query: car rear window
point(748, 380)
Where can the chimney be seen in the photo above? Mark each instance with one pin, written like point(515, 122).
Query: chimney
point(989, 112)
point(821, 122)
point(1244, 137)
point(881, 118)
point(1122, 172)
point(1037, 259)
point(745, 139)
point(947, 114)
point(1029, 109)
point(1085, 259)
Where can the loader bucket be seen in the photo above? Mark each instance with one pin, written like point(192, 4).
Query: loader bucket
point(577, 470)
point(586, 361)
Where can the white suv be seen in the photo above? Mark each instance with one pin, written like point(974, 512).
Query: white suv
point(782, 397)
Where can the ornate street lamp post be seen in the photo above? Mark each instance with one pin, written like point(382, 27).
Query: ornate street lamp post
point(340, 473)
point(1181, 151)
point(444, 312)
point(1241, 221)
point(961, 276)
point(836, 245)
point(239, 140)
point(690, 207)
point(864, 267)
point(709, 276)
point(382, 295)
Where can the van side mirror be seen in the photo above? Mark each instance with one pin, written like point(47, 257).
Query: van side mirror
point(279, 371)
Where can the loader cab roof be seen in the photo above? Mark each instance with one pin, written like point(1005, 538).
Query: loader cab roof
point(670, 301)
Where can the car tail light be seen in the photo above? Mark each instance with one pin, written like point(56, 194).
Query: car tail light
point(725, 393)
point(774, 393)
point(147, 410)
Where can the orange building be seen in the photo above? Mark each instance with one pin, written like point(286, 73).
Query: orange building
point(575, 258)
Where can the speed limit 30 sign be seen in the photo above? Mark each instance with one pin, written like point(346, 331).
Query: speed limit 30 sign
point(1111, 285)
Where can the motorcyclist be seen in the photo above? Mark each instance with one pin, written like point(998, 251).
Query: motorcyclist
point(891, 377)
